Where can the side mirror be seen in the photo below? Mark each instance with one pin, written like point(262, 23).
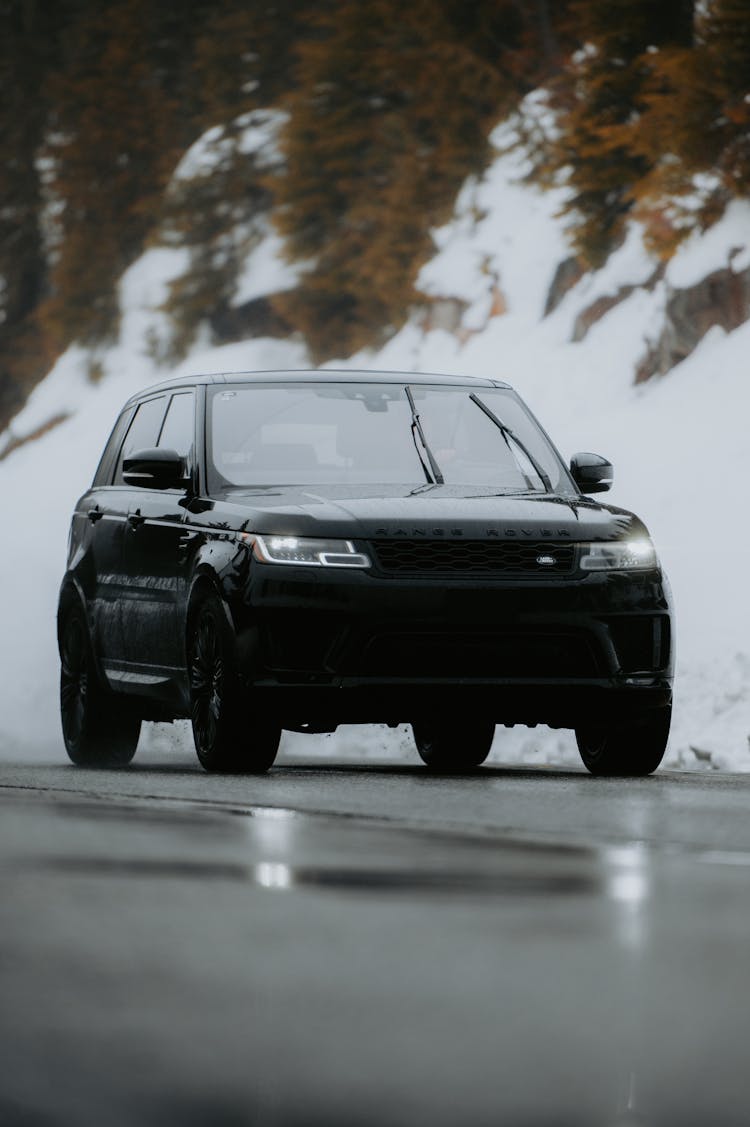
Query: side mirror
point(591, 473)
point(155, 469)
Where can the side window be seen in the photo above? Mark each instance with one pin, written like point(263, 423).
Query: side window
point(143, 430)
point(103, 474)
point(178, 430)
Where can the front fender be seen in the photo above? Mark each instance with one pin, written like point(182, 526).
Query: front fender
point(224, 564)
point(222, 567)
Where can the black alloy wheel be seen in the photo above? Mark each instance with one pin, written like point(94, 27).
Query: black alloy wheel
point(230, 736)
point(450, 746)
point(99, 729)
point(634, 749)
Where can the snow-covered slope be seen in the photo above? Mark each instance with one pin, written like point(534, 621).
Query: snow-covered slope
point(679, 444)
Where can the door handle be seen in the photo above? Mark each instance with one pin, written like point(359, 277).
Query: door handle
point(95, 514)
point(135, 520)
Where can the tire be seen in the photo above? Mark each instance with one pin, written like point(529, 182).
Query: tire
point(229, 738)
point(454, 747)
point(99, 729)
point(634, 749)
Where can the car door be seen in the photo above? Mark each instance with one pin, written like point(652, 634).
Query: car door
point(115, 588)
point(155, 563)
point(97, 550)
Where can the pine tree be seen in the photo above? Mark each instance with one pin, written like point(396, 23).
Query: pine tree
point(694, 131)
point(30, 37)
point(728, 43)
point(244, 56)
point(243, 64)
point(598, 96)
point(391, 110)
point(121, 119)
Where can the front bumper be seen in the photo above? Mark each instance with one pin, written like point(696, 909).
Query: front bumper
point(558, 651)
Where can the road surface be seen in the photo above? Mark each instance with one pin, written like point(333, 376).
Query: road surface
point(351, 943)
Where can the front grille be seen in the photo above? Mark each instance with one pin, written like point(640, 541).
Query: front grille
point(474, 557)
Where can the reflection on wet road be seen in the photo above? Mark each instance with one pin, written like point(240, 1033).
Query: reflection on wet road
point(168, 959)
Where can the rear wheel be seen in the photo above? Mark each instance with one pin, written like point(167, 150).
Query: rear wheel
point(633, 749)
point(450, 746)
point(99, 727)
point(229, 737)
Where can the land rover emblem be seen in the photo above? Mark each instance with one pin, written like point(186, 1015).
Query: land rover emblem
point(546, 561)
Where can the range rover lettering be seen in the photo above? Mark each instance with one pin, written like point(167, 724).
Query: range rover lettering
point(297, 550)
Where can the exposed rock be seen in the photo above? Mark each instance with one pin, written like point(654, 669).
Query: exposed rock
point(499, 305)
point(443, 313)
point(11, 442)
point(721, 298)
point(257, 318)
point(568, 273)
point(599, 308)
point(594, 312)
point(12, 397)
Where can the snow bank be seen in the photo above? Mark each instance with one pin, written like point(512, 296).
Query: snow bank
point(252, 134)
point(679, 445)
point(41, 481)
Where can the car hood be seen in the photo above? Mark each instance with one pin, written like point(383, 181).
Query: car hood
point(439, 511)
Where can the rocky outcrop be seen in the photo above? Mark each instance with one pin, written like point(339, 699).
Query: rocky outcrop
point(589, 316)
point(568, 274)
point(721, 298)
point(442, 313)
point(257, 318)
point(594, 312)
point(10, 441)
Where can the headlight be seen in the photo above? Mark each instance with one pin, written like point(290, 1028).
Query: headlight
point(308, 551)
point(619, 555)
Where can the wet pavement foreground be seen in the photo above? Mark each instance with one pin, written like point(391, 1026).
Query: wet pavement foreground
point(170, 960)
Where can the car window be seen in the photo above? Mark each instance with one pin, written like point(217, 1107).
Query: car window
point(103, 474)
point(312, 433)
point(143, 430)
point(470, 448)
point(365, 434)
point(178, 429)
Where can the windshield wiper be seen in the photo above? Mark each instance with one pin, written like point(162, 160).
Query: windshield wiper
point(416, 429)
point(507, 434)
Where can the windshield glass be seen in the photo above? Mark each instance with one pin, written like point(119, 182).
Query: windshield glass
point(357, 433)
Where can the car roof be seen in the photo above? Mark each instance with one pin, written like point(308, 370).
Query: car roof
point(317, 375)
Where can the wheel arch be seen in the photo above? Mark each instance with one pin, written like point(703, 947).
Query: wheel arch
point(205, 582)
point(71, 594)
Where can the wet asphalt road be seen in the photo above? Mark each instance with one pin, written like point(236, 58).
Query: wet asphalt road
point(358, 944)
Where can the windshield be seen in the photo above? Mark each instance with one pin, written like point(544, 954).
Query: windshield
point(370, 434)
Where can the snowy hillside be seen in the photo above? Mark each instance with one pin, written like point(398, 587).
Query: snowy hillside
point(679, 444)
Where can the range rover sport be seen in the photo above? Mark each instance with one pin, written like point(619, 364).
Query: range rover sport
point(296, 550)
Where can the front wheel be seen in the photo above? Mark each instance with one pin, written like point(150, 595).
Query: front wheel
point(229, 738)
point(634, 749)
point(450, 746)
point(100, 729)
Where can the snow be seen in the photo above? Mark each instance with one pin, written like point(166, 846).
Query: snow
point(630, 265)
point(265, 271)
point(726, 243)
point(252, 134)
point(482, 248)
point(679, 445)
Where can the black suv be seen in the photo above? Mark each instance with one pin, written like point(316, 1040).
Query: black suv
point(297, 550)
